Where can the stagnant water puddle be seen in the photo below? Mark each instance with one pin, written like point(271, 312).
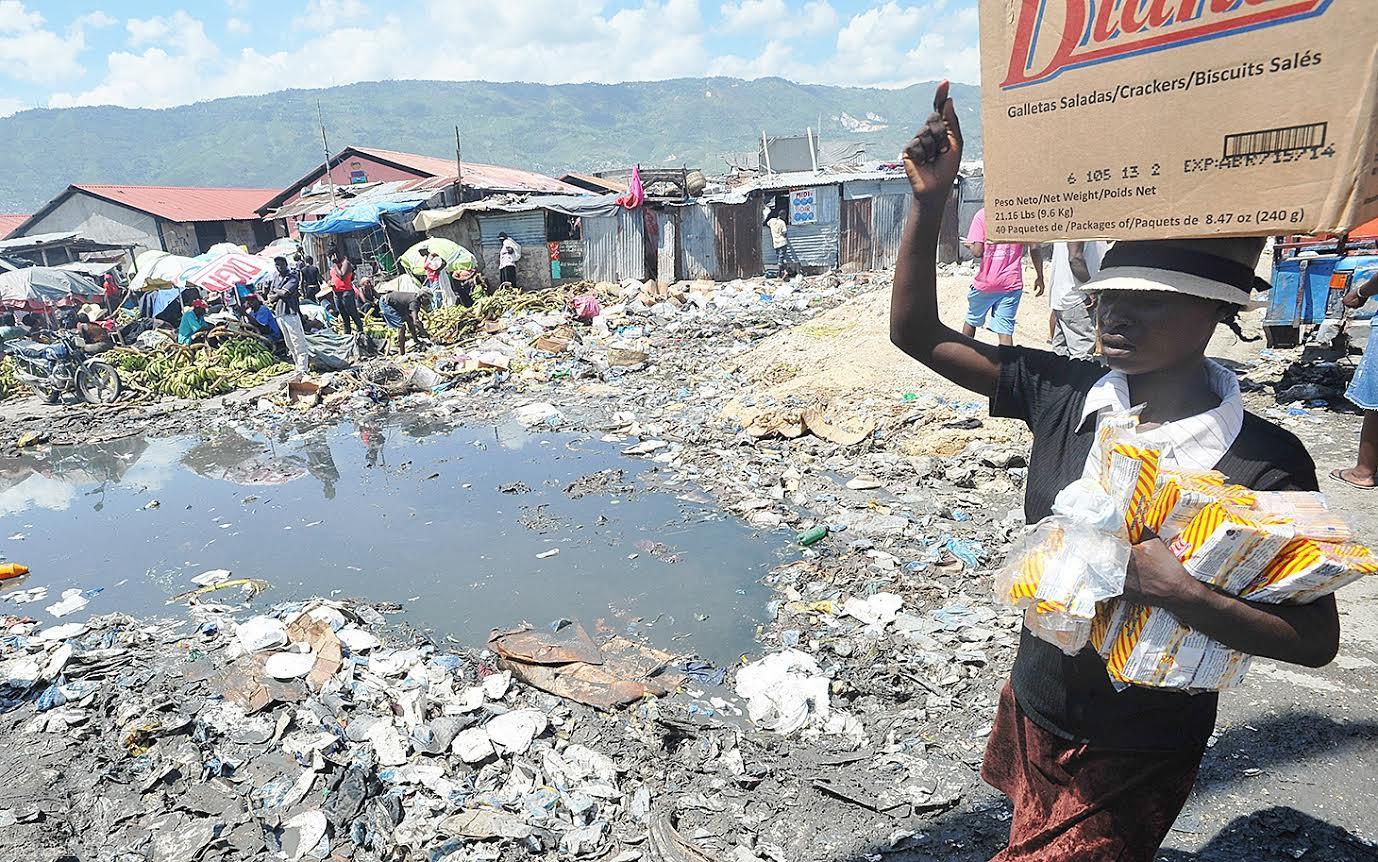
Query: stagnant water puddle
point(457, 525)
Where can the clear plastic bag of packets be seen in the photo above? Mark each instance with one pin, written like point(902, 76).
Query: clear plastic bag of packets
point(1078, 556)
point(1065, 565)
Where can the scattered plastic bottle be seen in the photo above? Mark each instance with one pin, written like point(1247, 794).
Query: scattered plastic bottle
point(811, 537)
point(12, 570)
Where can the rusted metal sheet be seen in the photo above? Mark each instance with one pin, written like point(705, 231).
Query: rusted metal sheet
point(667, 243)
point(615, 246)
point(888, 216)
point(698, 249)
point(854, 253)
point(736, 232)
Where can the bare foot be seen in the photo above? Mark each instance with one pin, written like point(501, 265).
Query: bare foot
point(1352, 476)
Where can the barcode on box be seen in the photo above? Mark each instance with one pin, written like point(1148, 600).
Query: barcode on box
point(1270, 141)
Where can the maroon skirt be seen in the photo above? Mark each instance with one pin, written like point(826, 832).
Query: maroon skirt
point(1073, 801)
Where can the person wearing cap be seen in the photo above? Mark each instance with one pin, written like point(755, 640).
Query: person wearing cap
point(1363, 393)
point(193, 321)
point(508, 255)
point(284, 291)
point(262, 319)
point(1094, 773)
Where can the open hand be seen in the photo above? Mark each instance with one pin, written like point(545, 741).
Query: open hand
point(933, 156)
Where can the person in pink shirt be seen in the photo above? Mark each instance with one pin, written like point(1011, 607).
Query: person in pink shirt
point(999, 284)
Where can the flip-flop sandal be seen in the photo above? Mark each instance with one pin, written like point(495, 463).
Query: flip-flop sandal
point(1338, 473)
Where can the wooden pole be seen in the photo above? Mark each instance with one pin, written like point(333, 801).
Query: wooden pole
point(325, 145)
point(459, 169)
point(765, 151)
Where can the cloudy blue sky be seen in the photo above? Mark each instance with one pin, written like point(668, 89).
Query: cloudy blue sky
point(157, 53)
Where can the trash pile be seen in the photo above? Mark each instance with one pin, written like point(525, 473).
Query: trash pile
point(302, 733)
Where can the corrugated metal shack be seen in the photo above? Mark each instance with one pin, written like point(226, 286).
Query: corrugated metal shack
point(848, 221)
point(563, 238)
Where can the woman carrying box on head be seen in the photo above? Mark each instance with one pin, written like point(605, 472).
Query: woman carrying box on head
point(1095, 773)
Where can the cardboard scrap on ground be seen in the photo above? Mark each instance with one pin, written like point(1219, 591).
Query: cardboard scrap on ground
point(246, 683)
point(825, 424)
point(620, 672)
point(570, 644)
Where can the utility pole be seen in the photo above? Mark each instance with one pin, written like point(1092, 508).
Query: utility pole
point(320, 117)
point(459, 170)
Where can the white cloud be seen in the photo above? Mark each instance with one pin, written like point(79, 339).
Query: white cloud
point(146, 31)
point(753, 14)
point(818, 16)
point(886, 46)
point(30, 52)
point(96, 20)
point(776, 60)
point(237, 5)
point(329, 14)
point(172, 60)
point(894, 46)
point(12, 106)
point(774, 19)
point(237, 25)
point(544, 41)
point(14, 18)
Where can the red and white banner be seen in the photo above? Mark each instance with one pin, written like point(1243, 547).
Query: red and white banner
point(227, 270)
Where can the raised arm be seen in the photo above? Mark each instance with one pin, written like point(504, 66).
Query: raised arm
point(931, 160)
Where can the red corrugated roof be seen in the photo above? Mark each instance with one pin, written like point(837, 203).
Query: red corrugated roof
point(476, 174)
point(10, 221)
point(185, 203)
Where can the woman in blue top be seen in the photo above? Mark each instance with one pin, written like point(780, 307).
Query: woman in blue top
point(193, 321)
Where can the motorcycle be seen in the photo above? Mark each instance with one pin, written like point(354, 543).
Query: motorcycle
point(53, 370)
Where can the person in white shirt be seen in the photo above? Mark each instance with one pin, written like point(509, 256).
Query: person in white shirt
point(1074, 263)
point(508, 255)
point(779, 240)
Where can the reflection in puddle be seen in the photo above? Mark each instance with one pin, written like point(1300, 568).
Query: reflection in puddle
point(454, 523)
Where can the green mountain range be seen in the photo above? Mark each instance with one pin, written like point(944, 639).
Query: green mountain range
point(271, 140)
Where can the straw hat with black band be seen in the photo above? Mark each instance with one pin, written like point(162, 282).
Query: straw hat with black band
point(1173, 267)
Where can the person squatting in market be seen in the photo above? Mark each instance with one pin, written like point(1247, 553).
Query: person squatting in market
point(998, 287)
point(1363, 393)
point(346, 296)
point(193, 322)
point(1094, 773)
point(262, 319)
point(508, 255)
point(1069, 319)
point(284, 291)
point(401, 310)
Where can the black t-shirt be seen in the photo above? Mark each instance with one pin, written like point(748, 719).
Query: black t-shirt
point(1071, 696)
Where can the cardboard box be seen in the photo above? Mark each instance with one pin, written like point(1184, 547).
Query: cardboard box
point(1150, 119)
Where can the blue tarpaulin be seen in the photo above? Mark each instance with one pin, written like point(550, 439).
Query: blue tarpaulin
point(360, 215)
